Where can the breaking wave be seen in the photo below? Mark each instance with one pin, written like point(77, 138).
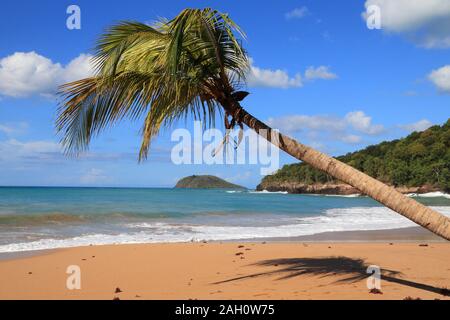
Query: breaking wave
point(337, 219)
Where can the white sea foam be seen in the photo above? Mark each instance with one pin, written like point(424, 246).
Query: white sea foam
point(356, 195)
point(339, 219)
point(269, 192)
point(437, 194)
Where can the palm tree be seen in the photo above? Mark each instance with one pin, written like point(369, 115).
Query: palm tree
point(192, 65)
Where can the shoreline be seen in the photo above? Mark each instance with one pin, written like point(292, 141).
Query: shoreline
point(405, 235)
point(402, 235)
point(408, 234)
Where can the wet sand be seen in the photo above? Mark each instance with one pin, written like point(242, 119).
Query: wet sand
point(414, 234)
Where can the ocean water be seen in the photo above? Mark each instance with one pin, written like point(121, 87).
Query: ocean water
point(44, 218)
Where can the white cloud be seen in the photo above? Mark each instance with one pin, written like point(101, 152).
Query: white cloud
point(331, 128)
point(240, 178)
point(12, 149)
point(95, 176)
point(297, 13)
point(79, 68)
point(426, 22)
point(5, 129)
point(321, 72)
point(441, 78)
point(351, 139)
point(11, 129)
point(278, 78)
point(44, 151)
point(272, 78)
point(418, 126)
point(363, 123)
point(294, 123)
point(23, 74)
point(318, 129)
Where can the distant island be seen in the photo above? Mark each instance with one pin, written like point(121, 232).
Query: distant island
point(419, 163)
point(205, 182)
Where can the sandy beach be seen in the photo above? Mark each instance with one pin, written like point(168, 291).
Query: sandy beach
point(206, 150)
point(232, 270)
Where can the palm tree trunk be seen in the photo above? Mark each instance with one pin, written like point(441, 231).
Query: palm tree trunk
point(388, 196)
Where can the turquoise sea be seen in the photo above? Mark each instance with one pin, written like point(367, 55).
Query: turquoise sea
point(34, 218)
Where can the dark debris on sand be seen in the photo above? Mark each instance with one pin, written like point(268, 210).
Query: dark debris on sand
point(409, 298)
point(375, 291)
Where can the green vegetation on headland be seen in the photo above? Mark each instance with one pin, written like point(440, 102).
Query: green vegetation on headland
point(421, 161)
point(205, 182)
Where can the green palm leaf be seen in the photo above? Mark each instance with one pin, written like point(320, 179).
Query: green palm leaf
point(173, 70)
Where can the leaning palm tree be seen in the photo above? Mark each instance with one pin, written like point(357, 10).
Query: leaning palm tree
point(192, 65)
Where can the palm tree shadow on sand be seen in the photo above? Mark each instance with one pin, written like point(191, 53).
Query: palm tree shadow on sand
point(351, 270)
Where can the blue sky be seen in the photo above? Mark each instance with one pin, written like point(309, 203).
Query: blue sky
point(318, 73)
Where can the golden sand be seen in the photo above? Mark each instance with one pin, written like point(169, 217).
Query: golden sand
point(231, 271)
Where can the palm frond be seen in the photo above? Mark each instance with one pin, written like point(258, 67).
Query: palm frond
point(171, 71)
